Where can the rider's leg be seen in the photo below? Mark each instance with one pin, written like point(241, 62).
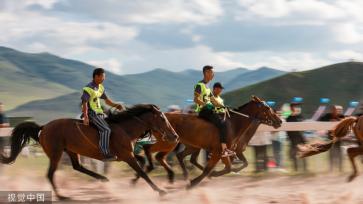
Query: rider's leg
point(221, 125)
point(104, 132)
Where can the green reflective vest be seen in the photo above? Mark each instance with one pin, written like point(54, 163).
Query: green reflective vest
point(220, 101)
point(94, 100)
point(204, 95)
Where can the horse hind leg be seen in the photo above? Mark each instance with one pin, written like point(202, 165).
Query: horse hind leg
point(161, 158)
point(180, 156)
point(141, 162)
point(147, 150)
point(194, 159)
point(352, 153)
point(77, 166)
point(54, 158)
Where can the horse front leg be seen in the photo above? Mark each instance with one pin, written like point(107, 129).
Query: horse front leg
point(226, 170)
point(241, 157)
point(210, 165)
point(132, 162)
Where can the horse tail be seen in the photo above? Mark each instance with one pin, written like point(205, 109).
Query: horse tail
point(344, 127)
point(20, 137)
point(338, 132)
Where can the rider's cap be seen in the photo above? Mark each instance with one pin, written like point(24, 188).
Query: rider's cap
point(218, 85)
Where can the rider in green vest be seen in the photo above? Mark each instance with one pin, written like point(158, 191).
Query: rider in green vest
point(217, 91)
point(93, 112)
point(205, 107)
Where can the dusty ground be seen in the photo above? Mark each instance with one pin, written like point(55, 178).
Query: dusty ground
point(328, 189)
point(314, 188)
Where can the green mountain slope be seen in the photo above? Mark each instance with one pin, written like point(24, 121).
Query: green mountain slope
point(340, 82)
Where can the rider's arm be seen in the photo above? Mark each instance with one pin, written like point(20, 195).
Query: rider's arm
point(197, 92)
point(85, 98)
point(85, 108)
point(215, 102)
point(111, 103)
point(197, 100)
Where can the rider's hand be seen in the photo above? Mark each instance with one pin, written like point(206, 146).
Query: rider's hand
point(119, 106)
point(85, 120)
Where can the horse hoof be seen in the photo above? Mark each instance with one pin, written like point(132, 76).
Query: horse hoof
point(134, 181)
point(190, 186)
point(104, 179)
point(63, 198)
point(351, 178)
point(162, 193)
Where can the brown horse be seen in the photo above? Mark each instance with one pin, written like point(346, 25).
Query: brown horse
point(341, 130)
point(72, 137)
point(238, 147)
point(200, 134)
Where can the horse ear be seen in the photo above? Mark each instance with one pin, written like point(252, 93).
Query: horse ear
point(255, 98)
point(155, 107)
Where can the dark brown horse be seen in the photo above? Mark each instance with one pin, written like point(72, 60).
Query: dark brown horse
point(200, 134)
point(70, 136)
point(342, 129)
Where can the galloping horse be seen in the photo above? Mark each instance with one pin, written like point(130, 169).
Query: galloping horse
point(341, 130)
point(72, 137)
point(200, 134)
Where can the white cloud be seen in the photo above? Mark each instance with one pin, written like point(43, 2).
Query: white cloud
point(106, 33)
point(113, 65)
point(37, 33)
point(346, 55)
point(147, 12)
point(290, 11)
point(348, 33)
point(47, 4)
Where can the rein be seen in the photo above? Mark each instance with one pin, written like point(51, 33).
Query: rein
point(146, 125)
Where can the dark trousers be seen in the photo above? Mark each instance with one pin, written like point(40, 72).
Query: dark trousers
point(217, 120)
point(261, 158)
point(277, 149)
point(295, 160)
point(103, 129)
point(335, 157)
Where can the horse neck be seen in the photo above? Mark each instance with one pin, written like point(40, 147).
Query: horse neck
point(250, 132)
point(241, 124)
point(134, 127)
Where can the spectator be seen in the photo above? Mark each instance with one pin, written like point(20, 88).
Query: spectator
point(3, 123)
point(3, 120)
point(335, 153)
point(296, 137)
point(276, 138)
point(259, 142)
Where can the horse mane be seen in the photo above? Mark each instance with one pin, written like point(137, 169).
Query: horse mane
point(242, 106)
point(133, 111)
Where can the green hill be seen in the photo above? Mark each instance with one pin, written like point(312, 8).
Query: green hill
point(340, 82)
point(36, 80)
point(19, 86)
point(251, 77)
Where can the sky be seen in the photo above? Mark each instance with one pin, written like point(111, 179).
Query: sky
point(135, 36)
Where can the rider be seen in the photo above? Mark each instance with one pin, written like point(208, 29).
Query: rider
point(217, 91)
point(92, 110)
point(205, 105)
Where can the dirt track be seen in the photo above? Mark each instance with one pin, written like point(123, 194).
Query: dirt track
point(228, 189)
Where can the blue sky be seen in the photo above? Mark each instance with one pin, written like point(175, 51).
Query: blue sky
point(136, 36)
